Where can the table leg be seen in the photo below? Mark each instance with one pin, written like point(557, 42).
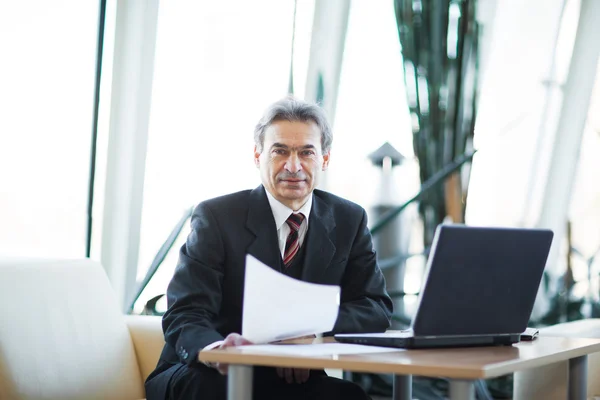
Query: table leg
point(239, 382)
point(462, 390)
point(402, 387)
point(578, 378)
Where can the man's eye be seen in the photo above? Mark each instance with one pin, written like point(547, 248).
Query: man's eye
point(308, 153)
point(279, 151)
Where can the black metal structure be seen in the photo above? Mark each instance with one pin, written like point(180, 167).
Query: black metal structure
point(158, 259)
point(97, 81)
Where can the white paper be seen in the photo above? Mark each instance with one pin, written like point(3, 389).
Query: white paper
point(321, 349)
point(277, 307)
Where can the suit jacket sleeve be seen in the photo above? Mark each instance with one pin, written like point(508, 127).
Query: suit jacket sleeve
point(365, 305)
point(194, 294)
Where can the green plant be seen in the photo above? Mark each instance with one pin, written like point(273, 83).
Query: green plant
point(439, 40)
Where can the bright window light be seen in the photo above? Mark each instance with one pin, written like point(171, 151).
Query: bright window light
point(48, 52)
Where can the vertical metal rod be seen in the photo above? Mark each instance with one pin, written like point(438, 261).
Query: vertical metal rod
point(402, 387)
point(239, 382)
point(462, 390)
point(578, 378)
point(92, 179)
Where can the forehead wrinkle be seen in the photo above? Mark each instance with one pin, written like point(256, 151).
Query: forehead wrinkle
point(284, 146)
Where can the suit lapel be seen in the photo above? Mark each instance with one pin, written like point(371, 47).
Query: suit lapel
point(261, 223)
point(319, 242)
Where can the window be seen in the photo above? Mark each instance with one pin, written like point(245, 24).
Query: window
point(371, 110)
point(218, 66)
point(584, 213)
point(48, 52)
point(371, 105)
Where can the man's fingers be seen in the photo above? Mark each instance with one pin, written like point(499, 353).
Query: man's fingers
point(279, 372)
point(301, 375)
point(241, 341)
point(234, 339)
point(222, 368)
point(228, 342)
point(289, 375)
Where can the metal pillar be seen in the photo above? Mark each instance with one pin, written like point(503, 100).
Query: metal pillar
point(578, 378)
point(133, 72)
point(239, 382)
point(402, 387)
point(326, 53)
point(462, 390)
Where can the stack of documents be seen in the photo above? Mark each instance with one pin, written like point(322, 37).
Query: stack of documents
point(277, 307)
point(315, 350)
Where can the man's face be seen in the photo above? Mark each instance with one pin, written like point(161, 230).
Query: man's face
point(291, 161)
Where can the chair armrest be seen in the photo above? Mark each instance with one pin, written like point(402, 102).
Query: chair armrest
point(148, 340)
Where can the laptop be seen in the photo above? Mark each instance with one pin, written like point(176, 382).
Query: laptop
point(479, 288)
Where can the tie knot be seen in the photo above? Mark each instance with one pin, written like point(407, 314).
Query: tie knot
point(294, 221)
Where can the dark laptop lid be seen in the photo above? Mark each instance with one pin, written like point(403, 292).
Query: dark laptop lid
point(481, 281)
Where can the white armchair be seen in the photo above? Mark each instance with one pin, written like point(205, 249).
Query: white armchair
point(63, 336)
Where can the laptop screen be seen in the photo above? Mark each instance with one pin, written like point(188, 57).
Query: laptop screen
point(481, 281)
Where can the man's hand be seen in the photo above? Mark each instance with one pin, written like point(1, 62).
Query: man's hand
point(297, 375)
point(232, 340)
point(292, 375)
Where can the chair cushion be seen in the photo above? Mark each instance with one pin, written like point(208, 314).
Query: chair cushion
point(62, 334)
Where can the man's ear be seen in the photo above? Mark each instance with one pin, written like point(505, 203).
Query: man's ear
point(256, 157)
point(325, 161)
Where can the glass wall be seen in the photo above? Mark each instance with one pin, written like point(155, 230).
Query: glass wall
point(371, 106)
point(217, 68)
point(519, 105)
point(48, 52)
point(584, 213)
point(372, 110)
point(218, 65)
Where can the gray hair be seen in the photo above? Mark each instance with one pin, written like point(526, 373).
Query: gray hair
point(294, 110)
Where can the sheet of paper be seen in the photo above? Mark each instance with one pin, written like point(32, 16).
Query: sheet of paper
point(277, 307)
point(323, 349)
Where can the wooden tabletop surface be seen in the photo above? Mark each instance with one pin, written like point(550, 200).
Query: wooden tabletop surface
point(465, 363)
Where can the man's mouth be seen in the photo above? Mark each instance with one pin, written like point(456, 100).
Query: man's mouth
point(292, 182)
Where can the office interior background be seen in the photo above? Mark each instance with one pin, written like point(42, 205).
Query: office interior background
point(119, 116)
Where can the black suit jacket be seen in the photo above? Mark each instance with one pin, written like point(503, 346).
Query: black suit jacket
point(206, 292)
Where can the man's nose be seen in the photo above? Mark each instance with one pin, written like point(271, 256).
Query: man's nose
point(293, 163)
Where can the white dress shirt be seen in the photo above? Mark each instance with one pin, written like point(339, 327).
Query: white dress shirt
point(281, 214)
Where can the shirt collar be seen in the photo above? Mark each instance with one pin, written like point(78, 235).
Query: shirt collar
point(282, 212)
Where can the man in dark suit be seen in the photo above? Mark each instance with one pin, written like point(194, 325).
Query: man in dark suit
point(304, 233)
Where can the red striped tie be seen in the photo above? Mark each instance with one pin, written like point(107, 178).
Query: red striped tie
point(292, 244)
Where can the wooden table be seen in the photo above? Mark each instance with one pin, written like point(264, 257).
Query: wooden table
point(461, 365)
